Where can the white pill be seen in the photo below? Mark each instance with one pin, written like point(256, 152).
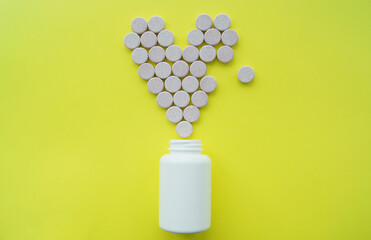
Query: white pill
point(173, 84)
point(156, 24)
point(212, 37)
point(222, 22)
point(184, 129)
point(198, 69)
point(173, 53)
point(200, 99)
point(229, 37)
point(225, 54)
point(132, 40)
point(139, 55)
point(208, 84)
point(190, 84)
point(191, 114)
point(156, 54)
point(139, 25)
point(155, 85)
point(204, 22)
point(190, 54)
point(181, 99)
point(146, 71)
point(164, 99)
point(195, 37)
point(163, 70)
point(180, 68)
point(148, 39)
point(245, 74)
point(174, 114)
point(165, 38)
point(207, 53)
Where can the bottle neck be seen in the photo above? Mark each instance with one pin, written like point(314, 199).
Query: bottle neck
point(185, 146)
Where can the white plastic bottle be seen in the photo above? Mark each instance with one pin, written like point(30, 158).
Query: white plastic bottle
point(185, 188)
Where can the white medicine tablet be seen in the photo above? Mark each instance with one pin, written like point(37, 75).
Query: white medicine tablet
point(156, 54)
point(132, 40)
point(229, 37)
point(208, 84)
point(190, 84)
point(207, 53)
point(155, 85)
point(146, 71)
point(139, 25)
point(204, 22)
point(139, 55)
point(163, 70)
point(165, 38)
point(195, 37)
point(181, 99)
point(222, 22)
point(174, 114)
point(164, 99)
point(173, 53)
point(198, 69)
point(148, 39)
point(200, 99)
point(225, 54)
point(156, 24)
point(184, 129)
point(212, 37)
point(180, 68)
point(191, 113)
point(173, 84)
point(245, 74)
point(190, 54)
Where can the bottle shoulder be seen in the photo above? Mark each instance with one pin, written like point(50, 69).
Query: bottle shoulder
point(177, 158)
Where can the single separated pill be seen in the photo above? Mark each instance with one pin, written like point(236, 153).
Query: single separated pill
point(207, 53)
point(222, 22)
point(230, 37)
point(132, 40)
point(198, 69)
point(163, 70)
point(139, 55)
point(148, 39)
point(156, 54)
point(173, 84)
point(195, 37)
point(212, 37)
point(155, 85)
point(139, 25)
point(184, 129)
point(190, 54)
point(204, 22)
point(225, 54)
point(165, 38)
point(208, 84)
point(199, 99)
point(146, 71)
point(245, 74)
point(164, 99)
point(181, 99)
point(191, 113)
point(174, 114)
point(156, 24)
point(180, 68)
point(173, 53)
point(190, 84)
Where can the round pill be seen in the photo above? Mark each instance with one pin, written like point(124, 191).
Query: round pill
point(245, 74)
point(200, 99)
point(174, 114)
point(181, 99)
point(156, 54)
point(229, 37)
point(208, 84)
point(225, 54)
point(198, 69)
point(212, 37)
point(173, 53)
point(190, 54)
point(180, 68)
point(190, 84)
point(195, 37)
point(173, 84)
point(163, 70)
point(165, 38)
point(164, 99)
point(204, 22)
point(156, 24)
point(132, 40)
point(207, 53)
point(148, 39)
point(222, 22)
point(191, 113)
point(139, 55)
point(146, 71)
point(139, 25)
point(155, 85)
point(184, 129)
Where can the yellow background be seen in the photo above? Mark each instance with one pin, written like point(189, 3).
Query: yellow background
point(81, 137)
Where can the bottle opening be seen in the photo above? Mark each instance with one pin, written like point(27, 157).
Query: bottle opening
point(185, 145)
